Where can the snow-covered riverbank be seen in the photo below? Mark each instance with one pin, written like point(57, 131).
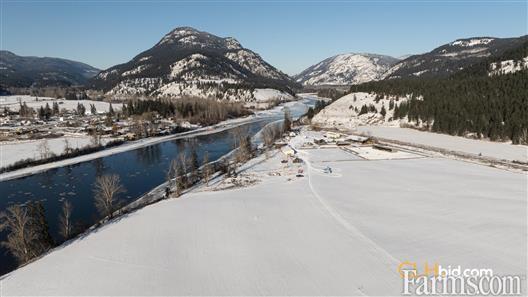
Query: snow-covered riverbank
point(10, 153)
point(337, 232)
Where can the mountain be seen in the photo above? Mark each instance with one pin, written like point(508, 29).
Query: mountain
point(191, 62)
point(486, 99)
point(22, 72)
point(453, 57)
point(346, 69)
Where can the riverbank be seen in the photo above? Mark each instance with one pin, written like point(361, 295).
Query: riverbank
point(299, 229)
point(222, 126)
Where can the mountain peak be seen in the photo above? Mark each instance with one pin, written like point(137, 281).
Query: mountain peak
point(346, 69)
point(190, 37)
point(187, 61)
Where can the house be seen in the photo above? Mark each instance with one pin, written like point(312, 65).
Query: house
point(288, 151)
point(358, 139)
point(332, 135)
point(130, 136)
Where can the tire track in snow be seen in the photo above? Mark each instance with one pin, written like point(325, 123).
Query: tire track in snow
point(390, 261)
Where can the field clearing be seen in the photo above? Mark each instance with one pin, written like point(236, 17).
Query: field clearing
point(497, 150)
point(342, 232)
point(12, 102)
point(13, 151)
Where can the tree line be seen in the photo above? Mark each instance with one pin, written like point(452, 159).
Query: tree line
point(195, 110)
point(494, 107)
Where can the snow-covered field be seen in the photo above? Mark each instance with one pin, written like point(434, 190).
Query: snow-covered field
point(13, 151)
point(13, 103)
point(269, 94)
point(341, 115)
point(342, 232)
point(492, 149)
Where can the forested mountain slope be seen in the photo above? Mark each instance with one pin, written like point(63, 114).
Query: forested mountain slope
point(470, 102)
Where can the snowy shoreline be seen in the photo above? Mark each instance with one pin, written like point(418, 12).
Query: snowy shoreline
point(282, 233)
point(222, 126)
point(125, 147)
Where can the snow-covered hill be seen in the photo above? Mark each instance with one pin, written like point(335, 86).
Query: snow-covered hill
point(346, 69)
point(453, 57)
point(190, 62)
point(345, 112)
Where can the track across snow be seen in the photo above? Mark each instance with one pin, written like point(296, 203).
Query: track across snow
point(339, 233)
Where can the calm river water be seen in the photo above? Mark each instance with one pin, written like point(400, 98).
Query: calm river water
point(140, 171)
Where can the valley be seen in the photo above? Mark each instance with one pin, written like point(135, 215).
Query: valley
point(188, 164)
point(327, 217)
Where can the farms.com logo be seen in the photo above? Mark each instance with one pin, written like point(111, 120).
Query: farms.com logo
point(423, 279)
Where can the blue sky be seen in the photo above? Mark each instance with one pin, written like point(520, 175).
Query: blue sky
point(290, 35)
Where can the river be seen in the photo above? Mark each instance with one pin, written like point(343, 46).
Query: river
point(140, 170)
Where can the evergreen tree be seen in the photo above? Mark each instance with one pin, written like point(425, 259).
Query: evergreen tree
point(364, 109)
point(55, 110)
point(81, 110)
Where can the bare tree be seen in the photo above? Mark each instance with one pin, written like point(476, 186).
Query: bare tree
point(207, 168)
point(66, 227)
point(180, 176)
point(17, 222)
point(44, 149)
point(269, 134)
point(287, 124)
point(524, 137)
point(172, 171)
point(238, 133)
point(183, 170)
point(67, 146)
point(245, 149)
point(39, 224)
point(107, 187)
point(96, 137)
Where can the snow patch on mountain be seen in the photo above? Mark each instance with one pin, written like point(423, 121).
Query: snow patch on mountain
point(346, 69)
point(252, 62)
point(136, 86)
point(472, 42)
point(192, 61)
point(508, 66)
point(105, 74)
point(136, 70)
point(478, 52)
